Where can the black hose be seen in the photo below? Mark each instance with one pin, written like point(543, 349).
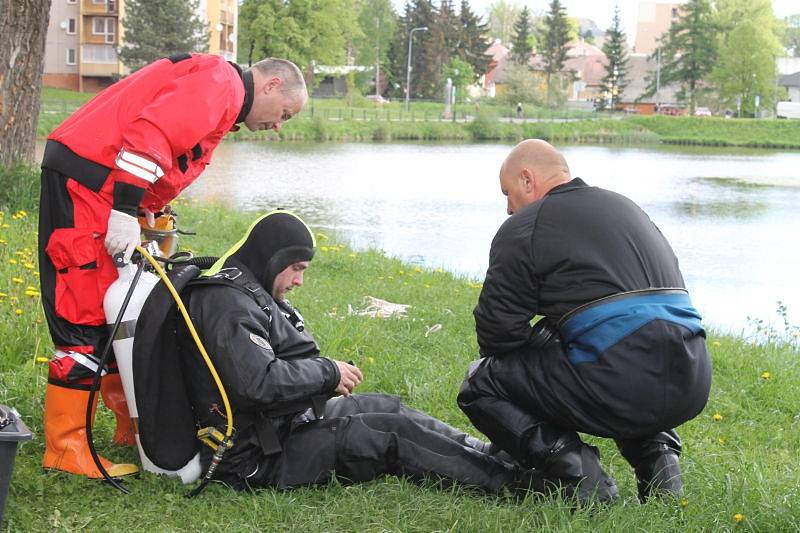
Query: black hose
point(96, 381)
point(203, 262)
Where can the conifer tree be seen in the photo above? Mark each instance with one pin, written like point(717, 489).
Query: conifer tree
point(160, 28)
point(554, 45)
point(471, 46)
point(614, 48)
point(521, 48)
point(688, 51)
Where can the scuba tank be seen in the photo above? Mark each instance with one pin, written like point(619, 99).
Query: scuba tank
point(123, 351)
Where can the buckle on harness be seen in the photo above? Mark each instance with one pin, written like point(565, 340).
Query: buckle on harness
point(223, 274)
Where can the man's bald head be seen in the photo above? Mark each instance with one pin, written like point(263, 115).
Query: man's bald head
point(529, 172)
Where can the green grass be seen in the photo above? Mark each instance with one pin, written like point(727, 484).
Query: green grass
point(334, 120)
point(745, 463)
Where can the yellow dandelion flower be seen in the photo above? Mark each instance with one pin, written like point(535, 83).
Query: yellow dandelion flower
point(418, 270)
point(17, 280)
point(370, 360)
point(29, 266)
point(401, 272)
point(32, 294)
point(351, 255)
point(684, 502)
point(765, 375)
point(18, 311)
point(41, 359)
point(3, 241)
point(12, 261)
point(324, 248)
point(427, 286)
point(5, 226)
point(717, 343)
point(738, 517)
point(322, 237)
point(721, 441)
point(22, 214)
point(717, 417)
point(19, 253)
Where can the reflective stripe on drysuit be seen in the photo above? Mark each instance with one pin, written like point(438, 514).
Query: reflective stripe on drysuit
point(142, 135)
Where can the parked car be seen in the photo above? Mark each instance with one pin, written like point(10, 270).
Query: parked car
point(702, 112)
point(788, 110)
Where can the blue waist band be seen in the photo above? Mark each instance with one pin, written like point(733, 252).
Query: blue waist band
point(589, 332)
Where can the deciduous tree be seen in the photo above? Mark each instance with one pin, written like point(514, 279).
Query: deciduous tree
point(791, 37)
point(23, 25)
point(378, 23)
point(749, 42)
point(502, 15)
point(298, 30)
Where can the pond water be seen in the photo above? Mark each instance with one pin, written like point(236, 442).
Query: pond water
point(731, 215)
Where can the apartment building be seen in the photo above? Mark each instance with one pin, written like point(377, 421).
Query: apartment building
point(654, 19)
point(83, 37)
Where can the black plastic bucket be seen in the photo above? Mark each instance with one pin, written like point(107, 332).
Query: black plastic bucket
point(12, 431)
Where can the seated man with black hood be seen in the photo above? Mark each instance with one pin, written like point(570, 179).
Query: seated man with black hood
point(291, 428)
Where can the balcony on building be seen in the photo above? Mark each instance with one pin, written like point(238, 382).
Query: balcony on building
point(100, 7)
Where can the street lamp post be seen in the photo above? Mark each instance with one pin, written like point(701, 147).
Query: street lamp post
point(408, 68)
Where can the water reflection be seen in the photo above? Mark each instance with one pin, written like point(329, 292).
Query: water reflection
point(731, 214)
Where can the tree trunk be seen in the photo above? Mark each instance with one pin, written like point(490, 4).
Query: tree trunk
point(23, 26)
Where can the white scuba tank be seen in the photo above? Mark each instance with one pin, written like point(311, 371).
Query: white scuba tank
point(123, 351)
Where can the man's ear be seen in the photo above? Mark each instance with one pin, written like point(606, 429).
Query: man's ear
point(272, 83)
point(527, 180)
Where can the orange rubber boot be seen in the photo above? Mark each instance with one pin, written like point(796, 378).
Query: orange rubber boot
point(114, 398)
point(65, 435)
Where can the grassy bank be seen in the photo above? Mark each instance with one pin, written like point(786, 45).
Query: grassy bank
point(740, 459)
point(334, 120)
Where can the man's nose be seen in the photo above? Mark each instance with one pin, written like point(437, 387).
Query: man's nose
point(298, 281)
point(277, 127)
point(509, 209)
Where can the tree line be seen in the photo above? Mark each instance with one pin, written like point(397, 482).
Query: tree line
point(370, 33)
point(719, 53)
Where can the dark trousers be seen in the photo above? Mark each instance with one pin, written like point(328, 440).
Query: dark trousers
point(527, 401)
point(366, 436)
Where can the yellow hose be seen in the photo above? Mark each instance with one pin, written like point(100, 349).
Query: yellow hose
point(195, 336)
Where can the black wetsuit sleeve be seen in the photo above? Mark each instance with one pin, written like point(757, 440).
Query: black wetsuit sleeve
point(509, 298)
point(235, 333)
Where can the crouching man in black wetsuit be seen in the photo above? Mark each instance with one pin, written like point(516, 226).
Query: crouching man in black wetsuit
point(290, 430)
point(620, 351)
